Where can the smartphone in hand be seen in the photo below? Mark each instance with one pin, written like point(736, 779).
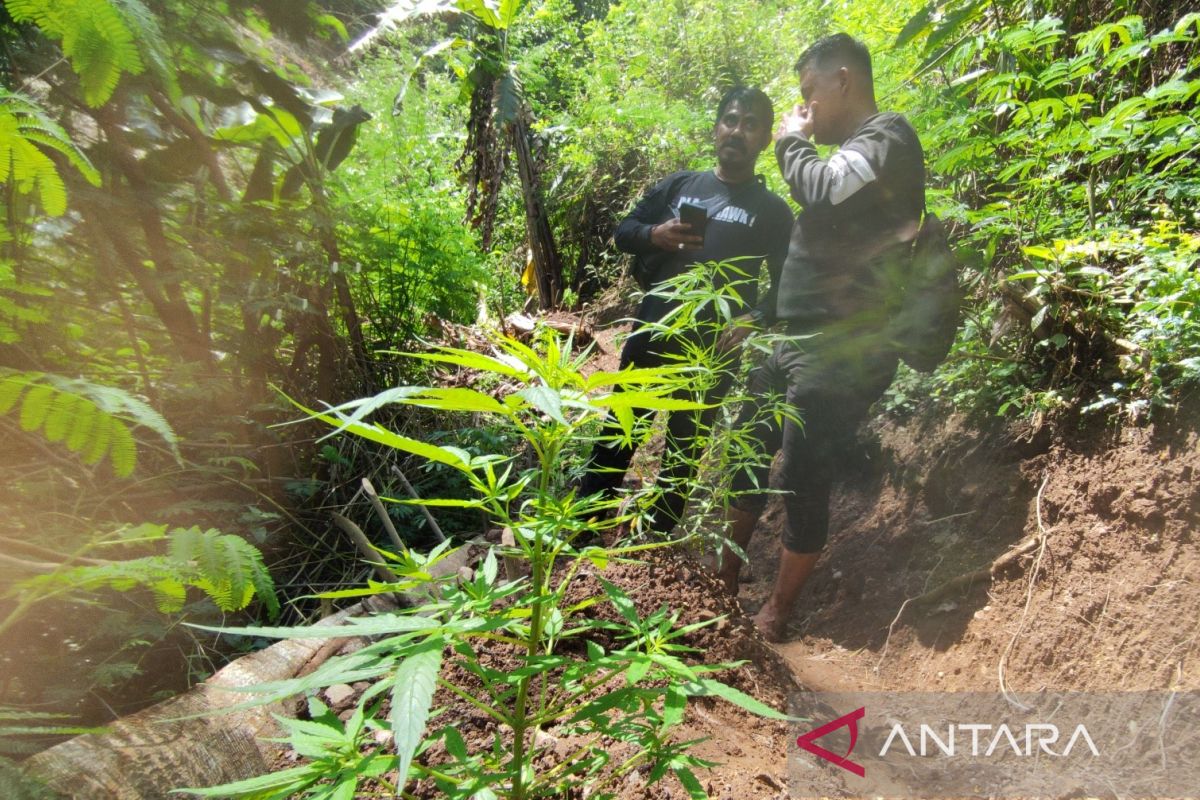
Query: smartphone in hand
point(695, 216)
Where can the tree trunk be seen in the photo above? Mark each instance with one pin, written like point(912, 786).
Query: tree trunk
point(163, 287)
point(175, 315)
point(547, 265)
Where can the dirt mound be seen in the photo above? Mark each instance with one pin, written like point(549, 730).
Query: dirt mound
point(960, 558)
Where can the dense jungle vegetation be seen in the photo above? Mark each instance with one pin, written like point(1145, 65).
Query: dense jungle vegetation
point(218, 213)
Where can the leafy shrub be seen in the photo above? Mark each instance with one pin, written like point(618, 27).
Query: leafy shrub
point(1068, 151)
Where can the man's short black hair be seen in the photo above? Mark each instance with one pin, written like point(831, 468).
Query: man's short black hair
point(838, 50)
point(750, 97)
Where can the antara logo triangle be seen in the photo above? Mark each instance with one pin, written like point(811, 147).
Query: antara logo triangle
point(809, 741)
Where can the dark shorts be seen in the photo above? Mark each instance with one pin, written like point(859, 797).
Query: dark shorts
point(831, 389)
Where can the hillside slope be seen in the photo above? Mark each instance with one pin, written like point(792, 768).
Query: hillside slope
point(902, 600)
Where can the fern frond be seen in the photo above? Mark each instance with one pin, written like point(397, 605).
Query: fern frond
point(101, 438)
point(92, 420)
point(57, 141)
point(33, 171)
point(62, 413)
point(95, 38)
point(36, 407)
point(225, 567)
point(81, 427)
point(122, 451)
point(155, 52)
point(10, 393)
point(27, 134)
point(119, 403)
point(170, 595)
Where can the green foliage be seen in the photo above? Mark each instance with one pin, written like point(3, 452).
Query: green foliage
point(413, 258)
point(89, 419)
point(15, 723)
point(22, 305)
point(227, 568)
point(633, 685)
point(700, 313)
point(25, 130)
point(1071, 156)
point(96, 38)
point(336, 753)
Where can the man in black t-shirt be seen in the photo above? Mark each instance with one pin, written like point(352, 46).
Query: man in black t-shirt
point(849, 247)
point(745, 221)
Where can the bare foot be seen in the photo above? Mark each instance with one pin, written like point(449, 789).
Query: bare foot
point(770, 623)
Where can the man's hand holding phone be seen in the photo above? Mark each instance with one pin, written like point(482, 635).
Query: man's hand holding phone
point(685, 233)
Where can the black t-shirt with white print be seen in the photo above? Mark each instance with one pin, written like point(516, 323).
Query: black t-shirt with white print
point(745, 220)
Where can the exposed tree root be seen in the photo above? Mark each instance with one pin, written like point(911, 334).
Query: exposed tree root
point(987, 573)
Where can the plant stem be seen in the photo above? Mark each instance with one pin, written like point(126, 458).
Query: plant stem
point(485, 708)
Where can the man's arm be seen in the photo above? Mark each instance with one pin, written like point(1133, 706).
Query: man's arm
point(814, 181)
point(651, 228)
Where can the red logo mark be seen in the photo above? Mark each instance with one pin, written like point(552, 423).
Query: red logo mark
point(808, 741)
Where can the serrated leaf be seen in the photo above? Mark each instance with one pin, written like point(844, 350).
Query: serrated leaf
point(477, 361)
point(295, 778)
point(85, 421)
point(674, 704)
point(490, 567)
point(639, 665)
point(169, 595)
point(690, 782)
point(379, 625)
point(456, 746)
point(376, 433)
point(11, 389)
point(457, 399)
point(545, 400)
point(621, 602)
point(122, 451)
point(59, 420)
point(412, 694)
point(707, 687)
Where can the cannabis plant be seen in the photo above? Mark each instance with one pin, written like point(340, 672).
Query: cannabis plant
point(580, 679)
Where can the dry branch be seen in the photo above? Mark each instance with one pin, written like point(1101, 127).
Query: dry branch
point(365, 549)
point(966, 580)
point(408, 487)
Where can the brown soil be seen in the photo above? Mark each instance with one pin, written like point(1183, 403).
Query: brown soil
point(1111, 602)
point(1104, 596)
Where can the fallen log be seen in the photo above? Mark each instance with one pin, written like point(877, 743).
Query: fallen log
point(191, 739)
point(167, 746)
